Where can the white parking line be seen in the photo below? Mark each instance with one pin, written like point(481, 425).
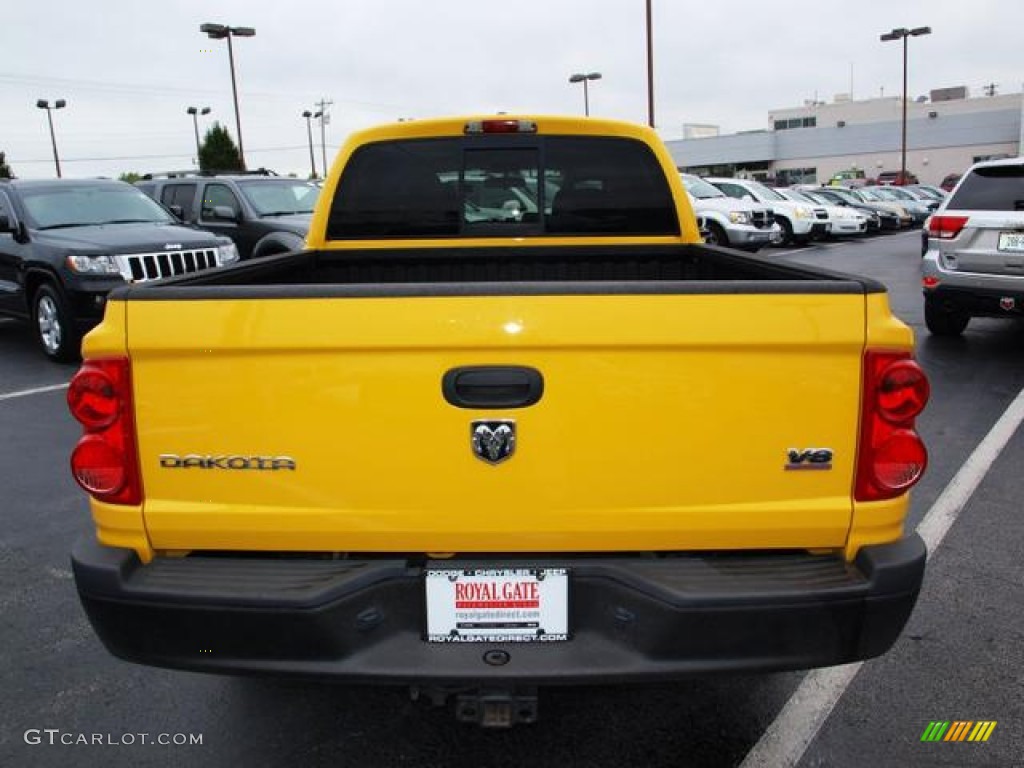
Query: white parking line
point(784, 741)
point(36, 391)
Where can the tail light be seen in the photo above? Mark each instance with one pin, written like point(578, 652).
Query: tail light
point(500, 126)
point(105, 461)
point(891, 456)
point(946, 227)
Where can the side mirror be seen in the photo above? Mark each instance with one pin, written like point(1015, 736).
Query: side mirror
point(749, 198)
point(177, 210)
point(5, 224)
point(224, 213)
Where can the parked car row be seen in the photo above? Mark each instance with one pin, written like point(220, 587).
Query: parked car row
point(747, 214)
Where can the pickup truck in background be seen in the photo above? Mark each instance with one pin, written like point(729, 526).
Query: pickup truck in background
point(262, 213)
point(475, 453)
point(727, 221)
point(66, 243)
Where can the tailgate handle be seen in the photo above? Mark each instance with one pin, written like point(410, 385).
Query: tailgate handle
point(493, 386)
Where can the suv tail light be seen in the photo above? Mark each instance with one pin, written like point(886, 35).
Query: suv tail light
point(891, 456)
point(105, 461)
point(946, 227)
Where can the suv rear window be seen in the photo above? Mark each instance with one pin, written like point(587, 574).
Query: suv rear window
point(557, 185)
point(994, 188)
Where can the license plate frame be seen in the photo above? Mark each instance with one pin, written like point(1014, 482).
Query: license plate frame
point(496, 604)
point(1011, 242)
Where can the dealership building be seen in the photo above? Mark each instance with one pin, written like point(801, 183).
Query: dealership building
point(946, 132)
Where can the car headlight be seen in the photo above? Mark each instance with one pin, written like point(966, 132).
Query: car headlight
point(802, 213)
point(227, 253)
point(93, 265)
point(739, 217)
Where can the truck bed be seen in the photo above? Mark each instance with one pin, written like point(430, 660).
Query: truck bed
point(509, 271)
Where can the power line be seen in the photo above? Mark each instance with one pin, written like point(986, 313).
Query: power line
point(139, 88)
point(149, 157)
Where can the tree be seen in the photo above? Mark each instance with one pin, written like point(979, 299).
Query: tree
point(218, 151)
point(5, 169)
point(130, 176)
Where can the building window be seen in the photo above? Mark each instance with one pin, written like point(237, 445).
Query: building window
point(796, 122)
point(787, 177)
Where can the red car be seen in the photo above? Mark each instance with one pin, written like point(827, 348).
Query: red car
point(950, 181)
point(896, 178)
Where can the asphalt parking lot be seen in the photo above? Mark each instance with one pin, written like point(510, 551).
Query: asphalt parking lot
point(959, 659)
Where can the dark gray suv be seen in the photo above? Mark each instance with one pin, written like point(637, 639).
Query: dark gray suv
point(974, 258)
point(263, 214)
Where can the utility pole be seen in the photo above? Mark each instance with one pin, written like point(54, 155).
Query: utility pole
point(325, 117)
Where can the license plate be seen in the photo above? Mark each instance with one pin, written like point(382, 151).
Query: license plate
point(1011, 241)
point(497, 605)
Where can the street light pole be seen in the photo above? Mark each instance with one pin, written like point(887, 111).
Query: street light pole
point(902, 33)
point(309, 132)
point(581, 78)
point(58, 104)
point(650, 68)
point(195, 125)
point(218, 32)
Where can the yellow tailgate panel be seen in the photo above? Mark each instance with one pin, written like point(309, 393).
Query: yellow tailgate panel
point(664, 425)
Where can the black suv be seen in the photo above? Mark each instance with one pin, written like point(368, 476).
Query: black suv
point(262, 213)
point(64, 244)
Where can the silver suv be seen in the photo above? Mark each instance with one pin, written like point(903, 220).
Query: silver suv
point(974, 258)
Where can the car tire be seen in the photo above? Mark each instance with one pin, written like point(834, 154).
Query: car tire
point(716, 235)
point(785, 237)
point(54, 324)
point(943, 320)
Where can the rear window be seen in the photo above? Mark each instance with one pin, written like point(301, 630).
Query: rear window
point(557, 185)
point(995, 188)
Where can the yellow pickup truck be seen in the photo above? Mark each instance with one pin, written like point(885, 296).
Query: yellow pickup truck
point(505, 422)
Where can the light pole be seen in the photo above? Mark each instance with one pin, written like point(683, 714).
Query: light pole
point(902, 33)
point(581, 78)
point(58, 104)
point(217, 32)
point(309, 132)
point(650, 68)
point(195, 112)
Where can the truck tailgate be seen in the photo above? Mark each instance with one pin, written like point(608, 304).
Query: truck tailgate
point(666, 422)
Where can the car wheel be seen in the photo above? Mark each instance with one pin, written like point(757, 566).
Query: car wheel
point(943, 320)
point(785, 236)
point(55, 328)
point(716, 235)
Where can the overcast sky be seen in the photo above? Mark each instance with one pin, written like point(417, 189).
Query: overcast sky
point(129, 68)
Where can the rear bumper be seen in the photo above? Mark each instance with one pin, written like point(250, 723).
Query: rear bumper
point(631, 618)
point(980, 300)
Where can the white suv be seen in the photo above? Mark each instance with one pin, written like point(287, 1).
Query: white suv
point(799, 222)
point(974, 252)
point(729, 222)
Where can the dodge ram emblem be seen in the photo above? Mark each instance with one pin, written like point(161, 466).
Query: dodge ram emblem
point(493, 441)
